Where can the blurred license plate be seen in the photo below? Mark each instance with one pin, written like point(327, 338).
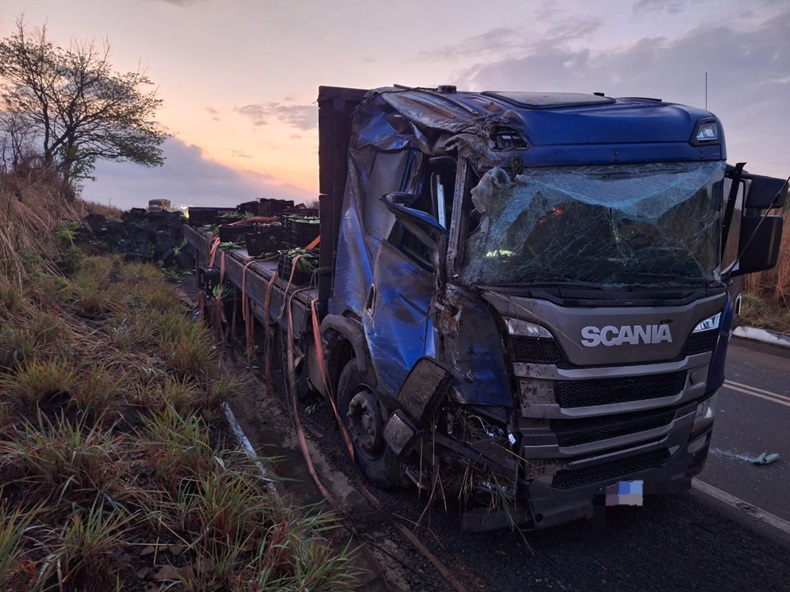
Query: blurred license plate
point(625, 493)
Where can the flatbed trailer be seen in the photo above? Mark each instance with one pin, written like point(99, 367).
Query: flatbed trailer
point(254, 278)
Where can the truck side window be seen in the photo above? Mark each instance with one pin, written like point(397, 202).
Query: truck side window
point(391, 171)
point(435, 197)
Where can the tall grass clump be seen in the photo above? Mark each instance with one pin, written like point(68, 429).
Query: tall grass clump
point(86, 552)
point(94, 288)
point(31, 334)
point(39, 382)
point(98, 389)
point(177, 447)
point(15, 565)
point(64, 463)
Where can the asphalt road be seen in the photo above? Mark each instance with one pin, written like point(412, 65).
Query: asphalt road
point(753, 417)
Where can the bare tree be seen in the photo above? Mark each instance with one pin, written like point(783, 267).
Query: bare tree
point(73, 108)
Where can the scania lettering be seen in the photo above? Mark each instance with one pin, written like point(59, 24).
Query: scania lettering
point(608, 336)
point(525, 297)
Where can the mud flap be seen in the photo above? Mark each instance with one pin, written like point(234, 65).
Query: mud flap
point(421, 394)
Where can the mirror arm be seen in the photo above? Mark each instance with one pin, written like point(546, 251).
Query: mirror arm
point(730, 208)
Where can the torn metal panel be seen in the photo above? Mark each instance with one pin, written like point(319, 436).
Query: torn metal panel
point(648, 225)
point(472, 345)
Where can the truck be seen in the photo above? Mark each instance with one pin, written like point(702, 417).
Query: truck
point(522, 300)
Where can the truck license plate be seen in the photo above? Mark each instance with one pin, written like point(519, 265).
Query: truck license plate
point(625, 493)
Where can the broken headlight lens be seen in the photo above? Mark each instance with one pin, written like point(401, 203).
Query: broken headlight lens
point(704, 416)
point(526, 329)
point(533, 391)
point(708, 324)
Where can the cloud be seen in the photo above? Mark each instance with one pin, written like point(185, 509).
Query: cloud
point(179, 2)
point(491, 41)
point(669, 6)
point(187, 177)
point(214, 113)
point(303, 117)
point(748, 86)
point(548, 28)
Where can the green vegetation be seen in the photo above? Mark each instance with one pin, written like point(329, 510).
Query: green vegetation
point(766, 302)
point(117, 471)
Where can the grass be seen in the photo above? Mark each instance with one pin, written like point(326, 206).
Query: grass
point(766, 302)
point(112, 435)
point(38, 382)
point(15, 565)
point(86, 554)
point(63, 463)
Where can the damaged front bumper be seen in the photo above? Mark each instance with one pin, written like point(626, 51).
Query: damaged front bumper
point(481, 459)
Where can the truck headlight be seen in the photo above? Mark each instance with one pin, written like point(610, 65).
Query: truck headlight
point(705, 132)
point(708, 324)
point(704, 416)
point(526, 329)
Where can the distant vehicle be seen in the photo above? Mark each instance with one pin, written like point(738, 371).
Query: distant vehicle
point(159, 205)
point(522, 295)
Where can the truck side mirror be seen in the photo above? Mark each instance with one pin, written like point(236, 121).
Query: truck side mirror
point(415, 220)
point(423, 226)
point(759, 243)
point(765, 192)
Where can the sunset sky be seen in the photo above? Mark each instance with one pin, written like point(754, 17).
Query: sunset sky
point(239, 78)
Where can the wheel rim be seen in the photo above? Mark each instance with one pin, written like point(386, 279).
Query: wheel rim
point(365, 423)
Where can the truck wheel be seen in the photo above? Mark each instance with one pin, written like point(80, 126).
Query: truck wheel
point(359, 408)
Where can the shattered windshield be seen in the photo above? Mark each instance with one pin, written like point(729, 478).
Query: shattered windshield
point(615, 225)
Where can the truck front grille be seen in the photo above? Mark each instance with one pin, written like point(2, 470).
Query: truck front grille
point(568, 478)
point(574, 432)
point(604, 391)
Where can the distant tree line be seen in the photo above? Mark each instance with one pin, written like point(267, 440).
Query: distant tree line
point(63, 109)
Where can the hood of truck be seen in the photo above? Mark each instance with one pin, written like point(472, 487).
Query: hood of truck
point(612, 334)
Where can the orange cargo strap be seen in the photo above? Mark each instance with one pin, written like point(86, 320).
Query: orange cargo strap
point(313, 244)
point(249, 320)
point(288, 286)
point(212, 251)
point(267, 336)
point(319, 352)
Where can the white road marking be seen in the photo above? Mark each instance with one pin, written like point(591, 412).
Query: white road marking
point(737, 503)
point(749, 387)
point(773, 397)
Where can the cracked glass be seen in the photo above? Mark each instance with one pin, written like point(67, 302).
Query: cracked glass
point(614, 225)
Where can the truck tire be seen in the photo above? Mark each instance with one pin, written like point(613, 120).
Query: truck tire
point(359, 409)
